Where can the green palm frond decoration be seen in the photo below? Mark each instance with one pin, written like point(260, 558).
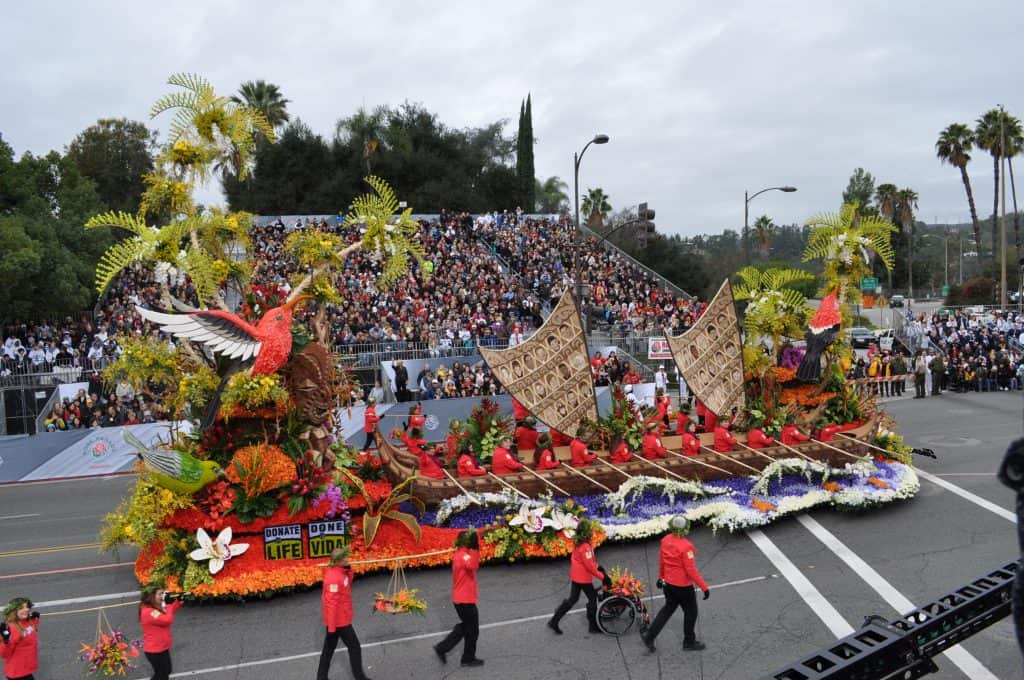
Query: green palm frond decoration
point(140, 246)
point(388, 237)
point(848, 242)
point(774, 311)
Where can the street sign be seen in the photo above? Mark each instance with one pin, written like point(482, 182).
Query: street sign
point(868, 283)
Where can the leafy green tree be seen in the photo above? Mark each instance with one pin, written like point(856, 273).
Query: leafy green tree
point(860, 189)
point(552, 195)
point(954, 146)
point(115, 153)
point(362, 132)
point(266, 98)
point(596, 207)
point(763, 229)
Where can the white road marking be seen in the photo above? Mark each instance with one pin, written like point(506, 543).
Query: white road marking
point(83, 600)
point(34, 514)
point(408, 638)
point(829, 615)
point(964, 493)
point(963, 659)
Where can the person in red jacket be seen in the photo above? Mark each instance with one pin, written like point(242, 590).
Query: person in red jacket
point(724, 441)
point(682, 418)
point(757, 439)
point(544, 456)
point(370, 420)
point(690, 443)
point(465, 563)
point(156, 614)
point(559, 439)
point(677, 575)
point(662, 403)
point(580, 454)
point(826, 433)
point(583, 570)
point(336, 601)
point(19, 639)
point(620, 450)
point(416, 418)
point(791, 435)
point(526, 435)
point(430, 465)
point(503, 461)
point(653, 449)
point(468, 467)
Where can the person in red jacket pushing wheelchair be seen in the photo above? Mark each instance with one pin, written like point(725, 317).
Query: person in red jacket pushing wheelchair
point(337, 613)
point(678, 575)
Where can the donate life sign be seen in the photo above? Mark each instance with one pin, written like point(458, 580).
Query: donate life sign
point(284, 542)
point(324, 537)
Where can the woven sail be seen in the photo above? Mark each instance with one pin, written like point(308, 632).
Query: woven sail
point(549, 373)
point(710, 355)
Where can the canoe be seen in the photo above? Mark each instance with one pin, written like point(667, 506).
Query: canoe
point(602, 476)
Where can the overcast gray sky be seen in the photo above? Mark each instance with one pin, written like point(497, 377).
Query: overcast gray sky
point(701, 100)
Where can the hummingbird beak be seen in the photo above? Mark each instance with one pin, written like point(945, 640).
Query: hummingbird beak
point(292, 304)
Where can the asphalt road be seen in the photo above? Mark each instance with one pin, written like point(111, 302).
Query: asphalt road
point(755, 622)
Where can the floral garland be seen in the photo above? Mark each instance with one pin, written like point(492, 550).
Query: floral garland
point(460, 503)
point(633, 488)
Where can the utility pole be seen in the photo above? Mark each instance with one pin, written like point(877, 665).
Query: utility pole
point(1002, 236)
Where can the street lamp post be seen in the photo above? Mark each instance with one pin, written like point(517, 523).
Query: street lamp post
point(576, 159)
point(746, 216)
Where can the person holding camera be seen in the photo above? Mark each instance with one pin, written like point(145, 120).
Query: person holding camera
point(583, 570)
point(677, 574)
point(19, 640)
point(156, 615)
point(465, 564)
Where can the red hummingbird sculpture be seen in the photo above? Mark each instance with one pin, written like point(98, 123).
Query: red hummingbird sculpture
point(270, 340)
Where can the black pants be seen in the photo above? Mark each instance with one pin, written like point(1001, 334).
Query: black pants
point(919, 384)
point(23, 677)
point(355, 652)
point(161, 663)
point(574, 596)
point(371, 443)
point(676, 597)
point(467, 629)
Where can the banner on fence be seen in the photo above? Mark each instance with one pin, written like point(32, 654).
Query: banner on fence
point(658, 348)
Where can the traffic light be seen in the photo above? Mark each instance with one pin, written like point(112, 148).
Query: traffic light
point(645, 216)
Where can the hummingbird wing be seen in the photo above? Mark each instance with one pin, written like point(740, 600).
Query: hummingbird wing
point(160, 460)
point(223, 332)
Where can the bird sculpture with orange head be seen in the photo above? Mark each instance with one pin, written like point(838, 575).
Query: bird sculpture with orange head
point(270, 340)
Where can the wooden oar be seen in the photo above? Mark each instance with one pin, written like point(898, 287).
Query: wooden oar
point(796, 451)
point(752, 449)
point(586, 476)
point(693, 459)
point(616, 468)
point(836, 448)
point(732, 460)
point(662, 468)
point(464, 490)
point(549, 483)
point(888, 454)
point(501, 481)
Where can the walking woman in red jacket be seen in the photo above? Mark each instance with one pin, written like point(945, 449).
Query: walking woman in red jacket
point(337, 612)
point(156, 614)
point(19, 639)
point(582, 572)
point(677, 576)
point(465, 564)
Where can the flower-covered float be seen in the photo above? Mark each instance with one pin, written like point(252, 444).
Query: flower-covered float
point(254, 501)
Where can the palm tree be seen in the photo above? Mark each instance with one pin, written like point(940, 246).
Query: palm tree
point(954, 147)
point(906, 203)
point(989, 135)
point(763, 230)
point(775, 310)
point(885, 197)
point(596, 207)
point(1014, 146)
point(846, 242)
point(363, 130)
point(552, 195)
point(266, 98)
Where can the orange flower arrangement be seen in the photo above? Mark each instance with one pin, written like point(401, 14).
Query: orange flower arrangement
point(831, 487)
point(880, 483)
point(782, 374)
point(804, 395)
point(763, 506)
point(258, 469)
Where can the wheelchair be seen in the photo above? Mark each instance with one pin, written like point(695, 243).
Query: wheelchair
point(616, 613)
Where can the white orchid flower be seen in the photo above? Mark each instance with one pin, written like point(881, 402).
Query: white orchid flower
point(565, 522)
point(218, 550)
point(531, 519)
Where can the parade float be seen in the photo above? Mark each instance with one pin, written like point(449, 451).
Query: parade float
point(252, 502)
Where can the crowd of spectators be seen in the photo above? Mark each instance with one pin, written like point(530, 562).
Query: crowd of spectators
point(96, 407)
point(983, 352)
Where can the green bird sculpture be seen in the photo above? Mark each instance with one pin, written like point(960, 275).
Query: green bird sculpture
point(175, 470)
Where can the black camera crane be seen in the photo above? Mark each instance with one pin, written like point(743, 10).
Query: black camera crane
point(904, 648)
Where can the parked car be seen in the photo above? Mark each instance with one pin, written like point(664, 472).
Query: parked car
point(897, 301)
point(861, 337)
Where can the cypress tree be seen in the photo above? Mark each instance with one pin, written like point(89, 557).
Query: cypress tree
point(527, 172)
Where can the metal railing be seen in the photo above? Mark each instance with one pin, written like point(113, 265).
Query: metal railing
point(58, 372)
